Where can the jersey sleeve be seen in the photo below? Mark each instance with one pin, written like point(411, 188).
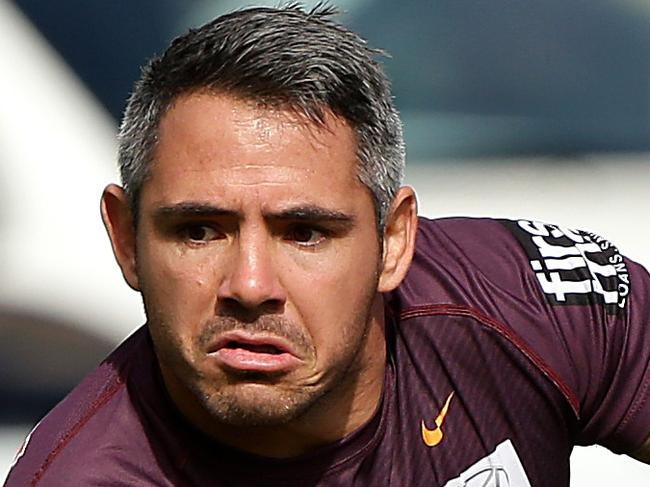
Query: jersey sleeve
point(601, 300)
point(574, 304)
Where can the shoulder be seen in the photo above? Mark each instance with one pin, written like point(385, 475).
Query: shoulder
point(566, 299)
point(70, 443)
point(479, 260)
point(456, 255)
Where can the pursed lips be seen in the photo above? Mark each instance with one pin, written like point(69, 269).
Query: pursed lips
point(241, 351)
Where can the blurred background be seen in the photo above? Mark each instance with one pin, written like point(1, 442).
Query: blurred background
point(512, 108)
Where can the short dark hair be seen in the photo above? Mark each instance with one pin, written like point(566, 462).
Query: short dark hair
point(282, 57)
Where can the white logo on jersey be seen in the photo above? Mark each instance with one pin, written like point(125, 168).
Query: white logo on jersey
point(501, 468)
point(570, 263)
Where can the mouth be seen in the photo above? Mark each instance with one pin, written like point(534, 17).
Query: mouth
point(245, 353)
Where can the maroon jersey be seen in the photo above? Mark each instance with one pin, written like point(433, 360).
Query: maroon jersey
point(508, 343)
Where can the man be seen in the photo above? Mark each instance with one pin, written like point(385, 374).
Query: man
point(292, 338)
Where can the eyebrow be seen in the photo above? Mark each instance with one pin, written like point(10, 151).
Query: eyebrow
point(312, 213)
point(191, 209)
point(307, 213)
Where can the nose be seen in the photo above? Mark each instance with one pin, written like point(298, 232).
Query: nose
point(251, 280)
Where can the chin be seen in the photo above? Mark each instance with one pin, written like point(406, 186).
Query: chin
point(248, 405)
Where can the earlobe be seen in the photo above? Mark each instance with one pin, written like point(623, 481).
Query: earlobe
point(120, 227)
point(399, 239)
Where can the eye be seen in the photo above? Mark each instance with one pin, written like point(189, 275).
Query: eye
point(306, 236)
point(200, 233)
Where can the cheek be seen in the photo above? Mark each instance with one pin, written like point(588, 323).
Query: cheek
point(178, 289)
point(332, 298)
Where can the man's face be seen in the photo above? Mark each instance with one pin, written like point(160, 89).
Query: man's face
point(258, 260)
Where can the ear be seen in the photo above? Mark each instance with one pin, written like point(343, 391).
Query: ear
point(119, 224)
point(399, 239)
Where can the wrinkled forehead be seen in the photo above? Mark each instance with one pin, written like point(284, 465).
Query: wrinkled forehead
point(232, 142)
point(291, 108)
point(218, 114)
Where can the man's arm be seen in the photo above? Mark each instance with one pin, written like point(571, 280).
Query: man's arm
point(643, 453)
point(602, 324)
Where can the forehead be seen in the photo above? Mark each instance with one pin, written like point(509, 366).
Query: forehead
point(211, 144)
